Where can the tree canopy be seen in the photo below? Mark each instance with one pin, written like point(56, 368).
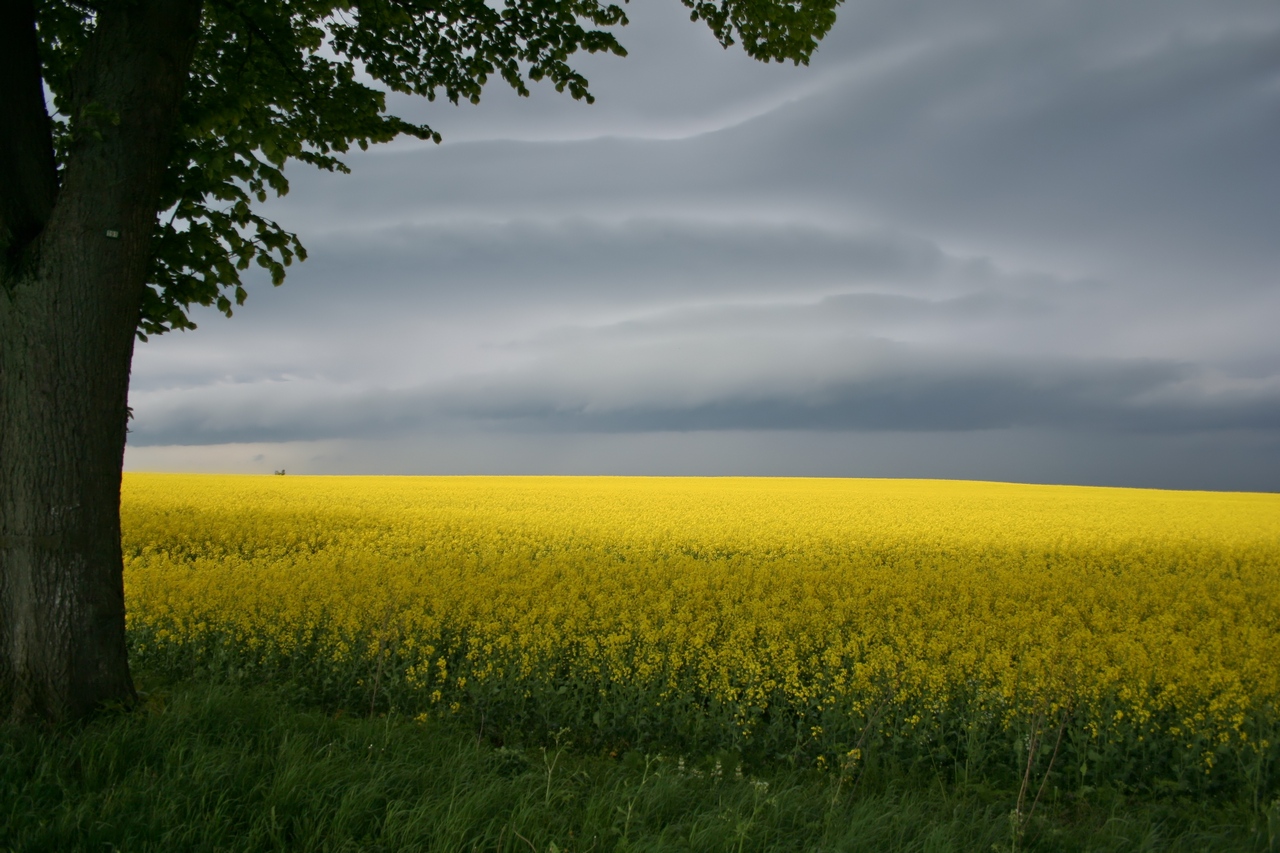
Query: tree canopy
point(306, 80)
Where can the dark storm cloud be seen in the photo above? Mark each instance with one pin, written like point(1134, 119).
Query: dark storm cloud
point(845, 385)
point(647, 260)
point(977, 217)
point(499, 282)
point(1153, 150)
point(1101, 131)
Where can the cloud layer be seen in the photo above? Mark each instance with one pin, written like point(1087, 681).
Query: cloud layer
point(1047, 228)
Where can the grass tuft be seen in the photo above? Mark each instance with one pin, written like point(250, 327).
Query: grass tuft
point(212, 767)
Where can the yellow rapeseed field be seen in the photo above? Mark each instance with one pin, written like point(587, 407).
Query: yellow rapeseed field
point(817, 618)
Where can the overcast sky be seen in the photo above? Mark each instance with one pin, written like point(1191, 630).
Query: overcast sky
point(1022, 240)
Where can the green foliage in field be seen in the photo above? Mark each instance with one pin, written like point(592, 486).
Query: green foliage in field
point(211, 767)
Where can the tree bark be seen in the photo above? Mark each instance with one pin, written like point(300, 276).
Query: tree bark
point(28, 173)
point(69, 304)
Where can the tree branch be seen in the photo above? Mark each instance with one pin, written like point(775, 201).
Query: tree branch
point(28, 173)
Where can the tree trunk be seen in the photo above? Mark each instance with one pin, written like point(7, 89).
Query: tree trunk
point(69, 307)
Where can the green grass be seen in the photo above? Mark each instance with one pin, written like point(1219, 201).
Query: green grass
point(212, 767)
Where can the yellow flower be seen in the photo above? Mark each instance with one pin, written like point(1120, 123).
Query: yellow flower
point(1149, 613)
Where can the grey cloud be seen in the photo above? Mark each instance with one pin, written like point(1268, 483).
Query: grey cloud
point(373, 301)
point(1136, 159)
point(668, 255)
point(878, 387)
point(437, 303)
point(644, 260)
point(875, 386)
point(969, 218)
point(1169, 175)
